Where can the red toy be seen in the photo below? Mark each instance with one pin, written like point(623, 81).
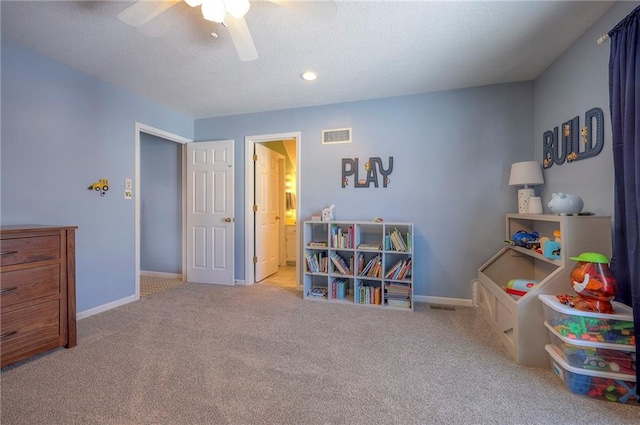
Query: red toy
point(594, 283)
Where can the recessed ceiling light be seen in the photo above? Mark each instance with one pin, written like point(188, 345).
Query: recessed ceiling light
point(308, 76)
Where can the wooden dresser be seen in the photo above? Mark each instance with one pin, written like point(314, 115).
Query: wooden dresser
point(37, 290)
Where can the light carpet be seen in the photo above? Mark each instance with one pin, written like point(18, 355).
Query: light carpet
point(200, 354)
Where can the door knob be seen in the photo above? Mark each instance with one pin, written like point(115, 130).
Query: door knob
point(228, 219)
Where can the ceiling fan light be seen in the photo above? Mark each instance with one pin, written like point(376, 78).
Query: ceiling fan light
point(237, 8)
point(193, 3)
point(213, 10)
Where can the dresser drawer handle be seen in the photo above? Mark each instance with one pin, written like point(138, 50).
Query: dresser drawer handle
point(8, 334)
point(8, 252)
point(4, 291)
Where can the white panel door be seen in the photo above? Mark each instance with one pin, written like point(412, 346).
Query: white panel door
point(267, 176)
point(210, 222)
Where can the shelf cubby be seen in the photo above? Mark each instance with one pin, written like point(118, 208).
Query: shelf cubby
point(368, 292)
point(341, 263)
point(341, 289)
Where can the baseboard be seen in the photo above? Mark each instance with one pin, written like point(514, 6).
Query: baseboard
point(161, 274)
point(443, 301)
point(105, 307)
point(239, 282)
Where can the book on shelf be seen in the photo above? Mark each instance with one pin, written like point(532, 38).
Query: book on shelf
point(373, 267)
point(405, 273)
point(318, 292)
point(399, 303)
point(377, 269)
point(339, 289)
point(397, 241)
point(370, 295)
point(394, 269)
point(340, 238)
point(316, 262)
point(398, 294)
point(405, 286)
point(317, 244)
point(311, 262)
point(401, 270)
point(340, 264)
point(371, 246)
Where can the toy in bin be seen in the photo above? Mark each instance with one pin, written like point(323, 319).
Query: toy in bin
point(593, 282)
point(587, 326)
point(520, 287)
point(615, 387)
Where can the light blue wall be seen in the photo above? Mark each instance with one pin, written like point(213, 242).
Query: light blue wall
point(452, 153)
point(61, 131)
point(160, 205)
point(573, 84)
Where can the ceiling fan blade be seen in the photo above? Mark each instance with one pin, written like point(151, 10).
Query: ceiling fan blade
point(241, 37)
point(323, 10)
point(143, 11)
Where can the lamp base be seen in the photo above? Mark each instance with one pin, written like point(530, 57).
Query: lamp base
point(523, 200)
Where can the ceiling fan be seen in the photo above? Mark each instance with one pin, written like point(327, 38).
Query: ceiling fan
point(229, 13)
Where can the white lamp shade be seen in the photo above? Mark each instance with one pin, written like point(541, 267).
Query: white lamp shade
point(527, 173)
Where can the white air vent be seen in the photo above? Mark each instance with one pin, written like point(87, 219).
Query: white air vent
point(336, 135)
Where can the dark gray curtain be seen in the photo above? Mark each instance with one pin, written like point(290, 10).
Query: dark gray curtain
point(624, 99)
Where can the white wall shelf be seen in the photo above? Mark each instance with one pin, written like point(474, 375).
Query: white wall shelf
point(335, 259)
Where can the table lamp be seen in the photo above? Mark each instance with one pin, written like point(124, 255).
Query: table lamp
point(527, 173)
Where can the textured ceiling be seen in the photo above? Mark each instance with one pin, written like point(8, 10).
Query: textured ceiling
point(370, 49)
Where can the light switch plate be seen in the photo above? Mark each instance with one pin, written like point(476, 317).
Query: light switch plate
point(127, 183)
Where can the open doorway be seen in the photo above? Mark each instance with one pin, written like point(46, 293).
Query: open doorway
point(161, 163)
point(141, 130)
point(272, 198)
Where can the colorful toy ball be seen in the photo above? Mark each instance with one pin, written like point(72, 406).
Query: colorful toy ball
point(594, 283)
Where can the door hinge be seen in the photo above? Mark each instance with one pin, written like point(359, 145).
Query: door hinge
point(255, 157)
point(255, 208)
point(255, 260)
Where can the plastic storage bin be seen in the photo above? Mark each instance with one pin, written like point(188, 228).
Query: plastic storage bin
point(581, 325)
point(589, 355)
point(616, 387)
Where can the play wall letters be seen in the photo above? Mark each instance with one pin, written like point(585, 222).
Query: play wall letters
point(555, 150)
point(372, 167)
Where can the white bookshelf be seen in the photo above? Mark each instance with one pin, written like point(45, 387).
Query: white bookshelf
point(358, 243)
point(519, 321)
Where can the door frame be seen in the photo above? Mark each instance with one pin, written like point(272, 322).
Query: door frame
point(147, 129)
point(249, 186)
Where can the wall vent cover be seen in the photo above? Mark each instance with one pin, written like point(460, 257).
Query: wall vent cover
point(336, 135)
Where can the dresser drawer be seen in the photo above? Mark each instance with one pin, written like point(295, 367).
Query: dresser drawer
point(30, 326)
point(28, 250)
point(29, 284)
